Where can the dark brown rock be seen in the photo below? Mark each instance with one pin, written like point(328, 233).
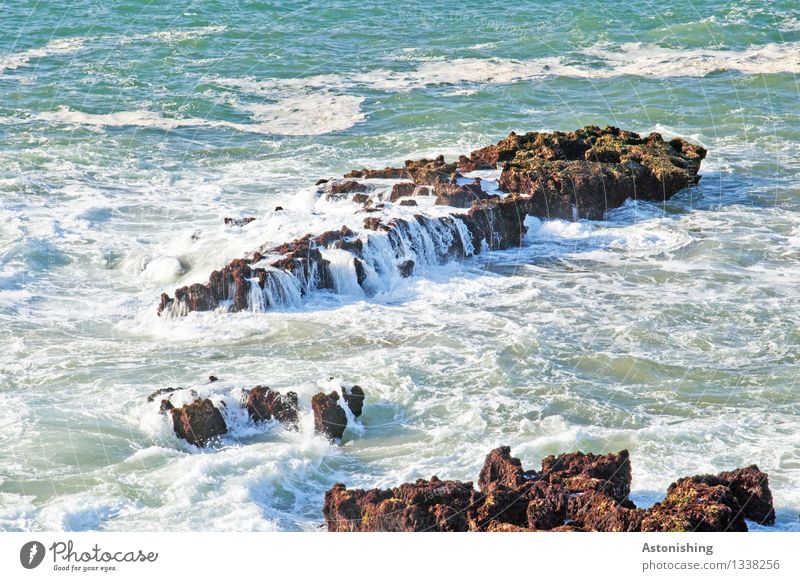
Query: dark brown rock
point(580, 174)
point(406, 268)
point(402, 190)
point(263, 405)
point(198, 422)
point(500, 468)
point(702, 504)
point(354, 398)
point(408, 202)
point(330, 419)
point(432, 505)
point(596, 511)
point(579, 472)
point(750, 486)
point(459, 196)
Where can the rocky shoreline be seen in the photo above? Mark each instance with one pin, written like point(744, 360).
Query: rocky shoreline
point(570, 493)
point(576, 175)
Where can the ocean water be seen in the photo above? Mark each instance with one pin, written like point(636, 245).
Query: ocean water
point(129, 129)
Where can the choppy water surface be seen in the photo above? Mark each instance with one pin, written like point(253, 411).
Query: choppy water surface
point(129, 130)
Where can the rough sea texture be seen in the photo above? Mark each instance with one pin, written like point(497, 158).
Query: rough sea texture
point(130, 129)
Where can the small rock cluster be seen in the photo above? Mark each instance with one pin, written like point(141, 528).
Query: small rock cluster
point(201, 422)
point(571, 492)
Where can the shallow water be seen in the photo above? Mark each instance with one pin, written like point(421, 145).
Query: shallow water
point(130, 131)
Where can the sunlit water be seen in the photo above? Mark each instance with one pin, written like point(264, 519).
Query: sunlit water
point(129, 132)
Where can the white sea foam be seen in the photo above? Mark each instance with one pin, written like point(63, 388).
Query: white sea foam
point(308, 115)
point(60, 46)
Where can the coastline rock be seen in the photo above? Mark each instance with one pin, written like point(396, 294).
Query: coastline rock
point(263, 405)
point(575, 175)
point(354, 398)
point(578, 472)
point(573, 492)
point(702, 504)
point(402, 190)
point(750, 486)
point(426, 505)
point(198, 422)
point(501, 469)
point(330, 419)
point(459, 196)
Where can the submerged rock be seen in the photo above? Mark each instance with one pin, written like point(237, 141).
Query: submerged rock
point(198, 422)
point(572, 492)
point(330, 419)
point(575, 175)
point(239, 221)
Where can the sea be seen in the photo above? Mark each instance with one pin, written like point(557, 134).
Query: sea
point(130, 129)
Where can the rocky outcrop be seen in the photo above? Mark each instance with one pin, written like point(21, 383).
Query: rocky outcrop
point(354, 398)
point(571, 492)
point(198, 422)
point(426, 505)
point(750, 486)
point(330, 419)
point(264, 405)
point(580, 174)
point(702, 504)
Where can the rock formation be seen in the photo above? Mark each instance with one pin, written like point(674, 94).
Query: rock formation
point(575, 175)
point(571, 492)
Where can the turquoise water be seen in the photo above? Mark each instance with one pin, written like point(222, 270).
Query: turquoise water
point(130, 129)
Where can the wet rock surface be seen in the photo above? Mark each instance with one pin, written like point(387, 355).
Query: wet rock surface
point(575, 175)
point(199, 422)
point(571, 492)
point(330, 419)
point(264, 404)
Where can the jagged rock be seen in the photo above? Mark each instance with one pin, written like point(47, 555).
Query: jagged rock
point(597, 511)
point(339, 189)
point(578, 472)
point(239, 221)
point(547, 506)
point(263, 404)
point(580, 174)
point(421, 172)
point(402, 190)
point(459, 196)
point(573, 492)
point(360, 198)
point(432, 505)
point(375, 224)
point(354, 398)
point(584, 173)
point(500, 468)
point(750, 486)
point(330, 419)
point(198, 422)
point(702, 504)
point(408, 203)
